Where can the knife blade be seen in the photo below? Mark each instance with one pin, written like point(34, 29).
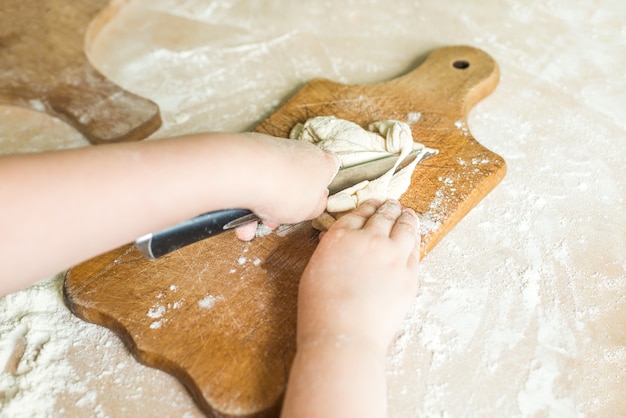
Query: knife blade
point(160, 243)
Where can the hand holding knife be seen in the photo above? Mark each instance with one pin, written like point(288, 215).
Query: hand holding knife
point(160, 243)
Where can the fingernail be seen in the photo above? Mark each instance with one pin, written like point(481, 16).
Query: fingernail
point(393, 203)
point(411, 212)
point(417, 220)
point(374, 202)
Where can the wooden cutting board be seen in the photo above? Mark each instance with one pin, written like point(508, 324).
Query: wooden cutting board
point(220, 315)
point(43, 66)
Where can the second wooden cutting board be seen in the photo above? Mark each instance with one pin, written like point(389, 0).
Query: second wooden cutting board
point(43, 67)
point(220, 315)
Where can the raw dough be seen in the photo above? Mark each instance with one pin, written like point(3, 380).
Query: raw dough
point(355, 145)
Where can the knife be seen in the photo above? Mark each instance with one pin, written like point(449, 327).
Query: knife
point(157, 244)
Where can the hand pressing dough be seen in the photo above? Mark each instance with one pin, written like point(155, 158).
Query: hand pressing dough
point(355, 145)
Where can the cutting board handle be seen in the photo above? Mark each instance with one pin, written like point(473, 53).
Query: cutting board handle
point(462, 74)
point(101, 110)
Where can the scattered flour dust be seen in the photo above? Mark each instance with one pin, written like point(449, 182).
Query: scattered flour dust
point(53, 364)
point(33, 335)
point(413, 117)
point(159, 310)
point(209, 301)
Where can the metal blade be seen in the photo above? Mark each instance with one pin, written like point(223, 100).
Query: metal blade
point(370, 170)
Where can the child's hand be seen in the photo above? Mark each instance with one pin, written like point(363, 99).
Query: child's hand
point(362, 277)
point(295, 178)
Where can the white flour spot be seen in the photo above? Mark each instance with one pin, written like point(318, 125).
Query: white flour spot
point(461, 125)
point(413, 117)
point(181, 118)
point(209, 301)
point(159, 310)
point(427, 224)
point(262, 230)
point(156, 311)
point(37, 105)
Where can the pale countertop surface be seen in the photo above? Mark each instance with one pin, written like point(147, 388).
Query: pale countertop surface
point(522, 307)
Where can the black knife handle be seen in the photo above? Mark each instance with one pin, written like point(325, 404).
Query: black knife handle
point(157, 244)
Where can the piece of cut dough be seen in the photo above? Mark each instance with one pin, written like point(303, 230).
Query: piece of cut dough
point(354, 145)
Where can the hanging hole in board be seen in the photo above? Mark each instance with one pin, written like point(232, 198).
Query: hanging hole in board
point(461, 64)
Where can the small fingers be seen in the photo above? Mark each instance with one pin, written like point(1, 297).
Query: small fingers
point(246, 232)
point(385, 217)
point(406, 227)
point(359, 216)
point(406, 233)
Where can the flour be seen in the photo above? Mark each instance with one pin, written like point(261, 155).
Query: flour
point(413, 117)
point(162, 310)
point(460, 125)
point(156, 324)
point(262, 230)
point(156, 311)
point(47, 363)
point(37, 317)
point(209, 301)
point(431, 220)
point(519, 306)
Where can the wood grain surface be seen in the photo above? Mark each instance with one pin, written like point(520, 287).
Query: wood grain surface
point(220, 315)
point(44, 67)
